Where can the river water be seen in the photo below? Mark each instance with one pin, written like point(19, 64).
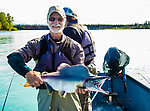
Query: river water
point(136, 43)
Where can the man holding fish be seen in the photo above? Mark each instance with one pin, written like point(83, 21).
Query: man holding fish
point(50, 51)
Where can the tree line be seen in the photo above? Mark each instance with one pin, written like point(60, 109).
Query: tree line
point(31, 27)
point(6, 22)
point(145, 25)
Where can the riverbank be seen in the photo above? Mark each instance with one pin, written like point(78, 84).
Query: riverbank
point(4, 31)
point(7, 30)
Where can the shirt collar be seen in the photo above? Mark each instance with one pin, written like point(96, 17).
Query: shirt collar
point(59, 42)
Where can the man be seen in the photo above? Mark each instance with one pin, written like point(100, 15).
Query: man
point(80, 34)
point(50, 51)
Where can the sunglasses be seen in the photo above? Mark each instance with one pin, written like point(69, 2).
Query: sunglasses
point(53, 19)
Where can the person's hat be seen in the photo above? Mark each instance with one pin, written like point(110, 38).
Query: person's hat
point(69, 12)
point(56, 9)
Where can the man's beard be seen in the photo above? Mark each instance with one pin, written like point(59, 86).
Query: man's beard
point(55, 30)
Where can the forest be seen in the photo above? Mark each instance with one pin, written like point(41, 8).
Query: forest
point(6, 22)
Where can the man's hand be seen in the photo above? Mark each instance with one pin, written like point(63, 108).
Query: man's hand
point(34, 78)
point(80, 90)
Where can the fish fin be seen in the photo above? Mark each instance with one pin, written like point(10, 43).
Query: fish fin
point(49, 88)
point(62, 94)
point(26, 84)
point(44, 73)
point(79, 71)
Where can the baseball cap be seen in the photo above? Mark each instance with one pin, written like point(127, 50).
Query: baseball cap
point(56, 9)
point(69, 12)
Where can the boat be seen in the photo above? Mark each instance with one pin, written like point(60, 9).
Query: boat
point(126, 93)
point(135, 97)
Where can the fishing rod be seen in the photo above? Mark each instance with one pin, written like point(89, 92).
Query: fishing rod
point(144, 78)
point(8, 92)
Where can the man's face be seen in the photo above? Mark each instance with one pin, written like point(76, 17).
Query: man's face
point(56, 23)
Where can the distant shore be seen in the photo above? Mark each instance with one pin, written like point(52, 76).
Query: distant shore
point(89, 26)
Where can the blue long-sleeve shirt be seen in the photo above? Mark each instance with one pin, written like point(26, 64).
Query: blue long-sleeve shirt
point(16, 61)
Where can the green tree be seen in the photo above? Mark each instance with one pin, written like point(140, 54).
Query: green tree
point(10, 20)
point(3, 20)
point(0, 25)
point(6, 22)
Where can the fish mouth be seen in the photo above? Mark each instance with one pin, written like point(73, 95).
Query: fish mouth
point(98, 86)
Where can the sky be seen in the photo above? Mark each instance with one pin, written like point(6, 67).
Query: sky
point(88, 11)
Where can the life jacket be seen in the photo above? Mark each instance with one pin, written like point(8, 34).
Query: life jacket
point(48, 61)
point(86, 41)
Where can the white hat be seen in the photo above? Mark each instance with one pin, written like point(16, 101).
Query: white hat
point(56, 9)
